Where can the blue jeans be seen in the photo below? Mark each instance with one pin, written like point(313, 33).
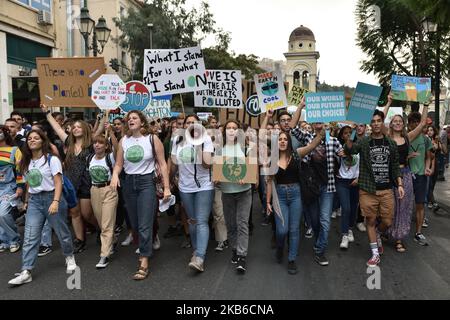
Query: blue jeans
point(8, 229)
point(290, 200)
point(140, 201)
point(46, 239)
point(349, 198)
point(37, 213)
point(320, 213)
point(198, 207)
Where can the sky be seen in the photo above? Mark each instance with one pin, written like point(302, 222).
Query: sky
point(262, 27)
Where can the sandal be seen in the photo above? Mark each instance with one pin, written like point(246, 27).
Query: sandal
point(141, 273)
point(400, 247)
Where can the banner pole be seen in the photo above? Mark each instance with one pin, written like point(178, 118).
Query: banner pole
point(182, 105)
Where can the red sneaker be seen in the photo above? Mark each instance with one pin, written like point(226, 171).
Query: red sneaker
point(374, 261)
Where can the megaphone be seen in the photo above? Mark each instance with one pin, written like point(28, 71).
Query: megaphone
point(195, 134)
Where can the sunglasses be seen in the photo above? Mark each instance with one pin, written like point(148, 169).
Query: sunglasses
point(272, 86)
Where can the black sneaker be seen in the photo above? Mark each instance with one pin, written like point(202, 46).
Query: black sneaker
point(420, 239)
point(234, 257)
point(279, 255)
point(321, 259)
point(241, 264)
point(292, 267)
point(266, 221)
point(118, 230)
point(172, 231)
point(79, 246)
point(44, 250)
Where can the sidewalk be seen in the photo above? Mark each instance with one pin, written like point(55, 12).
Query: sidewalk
point(442, 192)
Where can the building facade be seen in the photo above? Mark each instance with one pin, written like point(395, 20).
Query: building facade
point(301, 65)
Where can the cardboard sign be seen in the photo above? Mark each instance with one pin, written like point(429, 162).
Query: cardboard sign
point(410, 88)
point(67, 82)
point(158, 109)
point(229, 169)
point(224, 90)
point(325, 107)
point(137, 96)
point(270, 90)
point(108, 92)
point(174, 71)
point(295, 95)
point(363, 103)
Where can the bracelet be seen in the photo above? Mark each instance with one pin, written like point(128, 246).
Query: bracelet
point(400, 185)
point(55, 200)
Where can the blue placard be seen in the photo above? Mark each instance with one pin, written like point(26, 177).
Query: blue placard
point(325, 107)
point(363, 103)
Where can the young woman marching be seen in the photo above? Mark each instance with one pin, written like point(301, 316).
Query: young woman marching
point(137, 154)
point(43, 174)
point(287, 196)
point(196, 187)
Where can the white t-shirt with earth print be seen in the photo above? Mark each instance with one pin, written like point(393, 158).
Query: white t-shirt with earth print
point(99, 170)
point(137, 155)
point(40, 174)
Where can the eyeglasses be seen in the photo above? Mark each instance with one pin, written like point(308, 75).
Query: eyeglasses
point(285, 120)
point(272, 86)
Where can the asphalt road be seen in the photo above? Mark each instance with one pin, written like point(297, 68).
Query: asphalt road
point(420, 273)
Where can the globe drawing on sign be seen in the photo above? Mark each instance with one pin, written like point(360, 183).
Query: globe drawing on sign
point(99, 174)
point(252, 106)
point(135, 154)
point(187, 155)
point(34, 178)
point(234, 170)
point(269, 88)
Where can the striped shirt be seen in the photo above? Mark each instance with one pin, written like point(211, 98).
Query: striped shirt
point(7, 160)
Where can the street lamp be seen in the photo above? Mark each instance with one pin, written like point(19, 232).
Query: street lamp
point(101, 31)
point(150, 27)
point(429, 28)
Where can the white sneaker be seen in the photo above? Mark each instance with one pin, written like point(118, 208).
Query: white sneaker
point(138, 251)
point(334, 214)
point(70, 263)
point(196, 264)
point(14, 247)
point(350, 236)
point(344, 242)
point(156, 243)
point(338, 212)
point(3, 247)
point(361, 227)
point(23, 277)
point(127, 241)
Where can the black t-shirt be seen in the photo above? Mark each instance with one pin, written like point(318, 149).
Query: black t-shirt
point(288, 175)
point(380, 155)
point(319, 163)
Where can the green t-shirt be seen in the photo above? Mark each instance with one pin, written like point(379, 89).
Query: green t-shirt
point(421, 145)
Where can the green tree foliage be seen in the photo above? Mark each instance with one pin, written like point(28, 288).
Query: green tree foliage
point(400, 44)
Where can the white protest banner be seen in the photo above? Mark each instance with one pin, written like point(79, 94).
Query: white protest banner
point(158, 109)
point(224, 90)
point(108, 92)
point(270, 90)
point(171, 71)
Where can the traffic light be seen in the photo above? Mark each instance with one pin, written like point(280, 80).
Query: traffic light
point(114, 64)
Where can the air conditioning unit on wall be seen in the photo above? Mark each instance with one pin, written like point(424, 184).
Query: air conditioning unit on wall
point(44, 18)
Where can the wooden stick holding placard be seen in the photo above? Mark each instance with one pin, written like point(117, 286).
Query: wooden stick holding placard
point(182, 105)
point(106, 121)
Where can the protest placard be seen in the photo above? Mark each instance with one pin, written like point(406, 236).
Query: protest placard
point(295, 95)
point(224, 90)
point(270, 90)
point(231, 169)
point(363, 103)
point(173, 71)
point(108, 92)
point(67, 82)
point(137, 96)
point(410, 88)
point(325, 107)
point(158, 109)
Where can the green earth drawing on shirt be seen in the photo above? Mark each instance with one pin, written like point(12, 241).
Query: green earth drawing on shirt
point(233, 170)
point(135, 154)
point(34, 178)
point(187, 155)
point(99, 174)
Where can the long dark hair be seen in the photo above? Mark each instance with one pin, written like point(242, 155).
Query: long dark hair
point(8, 139)
point(224, 133)
point(27, 154)
point(289, 149)
point(341, 134)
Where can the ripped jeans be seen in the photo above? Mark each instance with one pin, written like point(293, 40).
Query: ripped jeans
point(198, 207)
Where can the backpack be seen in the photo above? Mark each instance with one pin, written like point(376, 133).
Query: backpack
point(69, 192)
point(158, 179)
point(107, 160)
point(309, 185)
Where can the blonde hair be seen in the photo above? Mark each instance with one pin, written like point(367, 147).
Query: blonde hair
point(86, 140)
